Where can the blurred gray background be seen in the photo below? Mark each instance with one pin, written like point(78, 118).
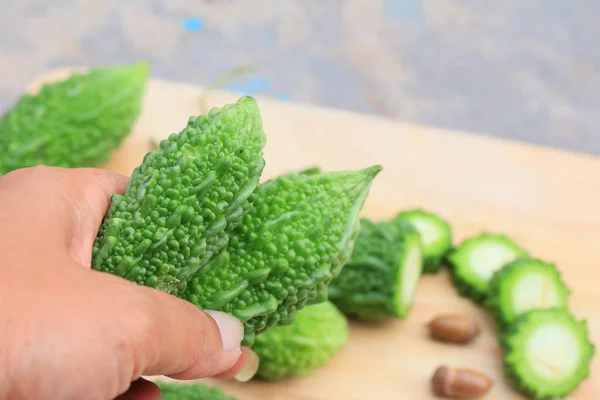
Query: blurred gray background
point(526, 70)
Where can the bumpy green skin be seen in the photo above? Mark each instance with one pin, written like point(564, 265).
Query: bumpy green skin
point(500, 300)
point(430, 225)
point(76, 122)
point(295, 239)
point(369, 286)
point(184, 200)
point(461, 267)
point(191, 391)
point(317, 334)
point(517, 366)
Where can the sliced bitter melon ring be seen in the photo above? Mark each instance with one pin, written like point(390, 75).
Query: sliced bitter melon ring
point(525, 284)
point(436, 236)
point(547, 353)
point(476, 259)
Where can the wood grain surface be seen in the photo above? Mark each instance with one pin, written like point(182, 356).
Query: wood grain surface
point(547, 200)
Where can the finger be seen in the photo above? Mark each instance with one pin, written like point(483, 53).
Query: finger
point(24, 196)
point(141, 389)
point(179, 340)
point(244, 369)
point(89, 186)
point(60, 203)
point(97, 188)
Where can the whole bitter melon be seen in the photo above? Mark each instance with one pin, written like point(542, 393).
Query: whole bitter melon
point(184, 200)
point(547, 353)
point(381, 278)
point(294, 240)
point(75, 122)
point(317, 334)
point(522, 285)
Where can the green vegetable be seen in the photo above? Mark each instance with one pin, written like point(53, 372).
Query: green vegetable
point(318, 333)
point(311, 171)
point(475, 260)
point(295, 239)
point(76, 122)
point(191, 391)
point(547, 353)
point(184, 200)
point(436, 237)
point(523, 285)
point(381, 278)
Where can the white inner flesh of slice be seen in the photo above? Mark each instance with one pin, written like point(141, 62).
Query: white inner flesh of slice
point(552, 351)
point(411, 273)
point(428, 231)
point(534, 291)
point(488, 258)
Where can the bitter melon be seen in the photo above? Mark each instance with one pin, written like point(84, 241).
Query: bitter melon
point(296, 237)
point(191, 391)
point(75, 122)
point(312, 171)
point(381, 278)
point(475, 260)
point(523, 285)
point(184, 200)
point(318, 333)
point(436, 236)
point(547, 353)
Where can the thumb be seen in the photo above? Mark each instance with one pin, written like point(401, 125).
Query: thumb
point(183, 342)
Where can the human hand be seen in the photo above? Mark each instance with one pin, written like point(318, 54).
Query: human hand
point(70, 332)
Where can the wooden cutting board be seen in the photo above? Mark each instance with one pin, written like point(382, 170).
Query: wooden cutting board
point(547, 200)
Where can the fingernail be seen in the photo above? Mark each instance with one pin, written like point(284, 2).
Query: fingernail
point(250, 368)
point(230, 328)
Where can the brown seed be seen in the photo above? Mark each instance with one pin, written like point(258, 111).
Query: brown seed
point(460, 383)
point(456, 328)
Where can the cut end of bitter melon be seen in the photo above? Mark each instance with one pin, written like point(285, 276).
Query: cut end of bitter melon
point(380, 280)
point(525, 284)
point(409, 271)
point(548, 353)
point(436, 236)
point(476, 259)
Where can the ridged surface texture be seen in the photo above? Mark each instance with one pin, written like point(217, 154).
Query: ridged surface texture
point(370, 284)
point(317, 334)
point(184, 200)
point(295, 239)
point(76, 122)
